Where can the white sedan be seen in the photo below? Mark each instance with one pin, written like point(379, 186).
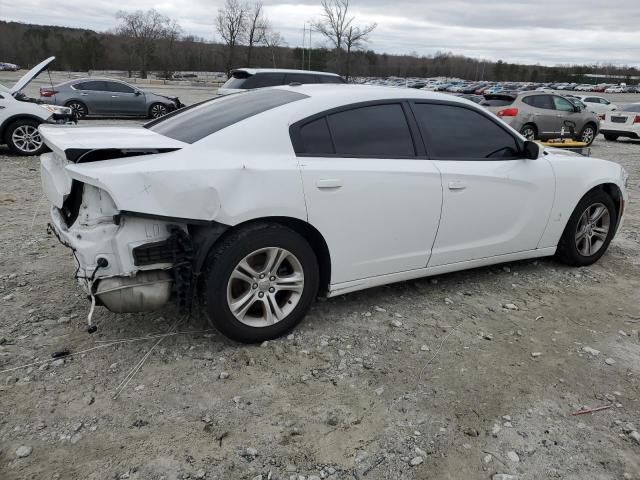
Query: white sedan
point(252, 205)
point(597, 105)
point(622, 123)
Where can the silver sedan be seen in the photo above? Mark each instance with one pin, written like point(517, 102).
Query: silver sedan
point(108, 97)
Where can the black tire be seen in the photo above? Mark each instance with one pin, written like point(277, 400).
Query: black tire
point(612, 137)
point(588, 134)
point(222, 262)
point(567, 251)
point(529, 131)
point(22, 137)
point(79, 108)
point(157, 110)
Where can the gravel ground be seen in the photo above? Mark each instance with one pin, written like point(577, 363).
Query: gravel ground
point(471, 375)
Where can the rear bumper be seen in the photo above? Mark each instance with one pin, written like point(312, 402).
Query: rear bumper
point(620, 133)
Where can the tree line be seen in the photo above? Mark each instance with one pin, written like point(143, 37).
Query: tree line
point(143, 42)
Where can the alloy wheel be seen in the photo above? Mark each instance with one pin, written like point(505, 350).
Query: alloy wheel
point(265, 287)
point(158, 110)
point(529, 133)
point(593, 229)
point(27, 139)
point(587, 135)
point(78, 109)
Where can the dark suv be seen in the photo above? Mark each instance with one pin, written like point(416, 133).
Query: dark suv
point(250, 78)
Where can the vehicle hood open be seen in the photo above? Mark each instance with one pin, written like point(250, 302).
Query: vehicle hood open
point(30, 75)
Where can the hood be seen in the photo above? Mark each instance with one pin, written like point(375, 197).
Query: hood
point(30, 75)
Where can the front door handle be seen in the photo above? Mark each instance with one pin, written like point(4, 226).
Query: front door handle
point(84, 94)
point(326, 183)
point(457, 186)
point(114, 96)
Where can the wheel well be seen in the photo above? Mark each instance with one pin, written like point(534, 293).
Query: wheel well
point(613, 191)
point(529, 124)
point(16, 118)
point(593, 125)
point(310, 234)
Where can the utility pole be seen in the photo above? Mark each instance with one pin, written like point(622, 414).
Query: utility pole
point(309, 56)
point(304, 38)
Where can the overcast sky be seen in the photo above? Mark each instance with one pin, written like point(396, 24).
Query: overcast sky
point(548, 32)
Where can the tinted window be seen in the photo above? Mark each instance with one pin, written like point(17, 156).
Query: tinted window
point(562, 104)
point(300, 78)
point(94, 85)
point(496, 103)
point(198, 121)
point(316, 139)
point(459, 133)
point(592, 100)
point(237, 80)
point(539, 101)
point(119, 87)
point(635, 107)
point(330, 79)
point(374, 131)
point(261, 80)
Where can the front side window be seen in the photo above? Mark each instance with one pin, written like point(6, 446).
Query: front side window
point(562, 104)
point(203, 119)
point(119, 87)
point(458, 133)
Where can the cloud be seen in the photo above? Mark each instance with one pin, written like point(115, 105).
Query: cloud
point(546, 31)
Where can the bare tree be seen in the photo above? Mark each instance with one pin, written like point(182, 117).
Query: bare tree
point(273, 40)
point(168, 56)
point(231, 24)
point(144, 29)
point(337, 25)
point(354, 39)
point(256, 29)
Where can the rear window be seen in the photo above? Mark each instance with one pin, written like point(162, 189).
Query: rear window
point(201, 120)
point(635, 108)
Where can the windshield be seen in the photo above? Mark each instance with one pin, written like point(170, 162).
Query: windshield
point(202, 119)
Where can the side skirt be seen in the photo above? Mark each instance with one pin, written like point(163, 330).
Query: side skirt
point(355, 285)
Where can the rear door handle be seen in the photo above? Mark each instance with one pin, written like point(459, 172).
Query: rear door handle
point(114, 96)
point(326, 183)
point(457, 186)
point(84, 94)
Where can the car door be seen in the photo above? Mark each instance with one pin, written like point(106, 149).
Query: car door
point(125, 100)
point(543, 115)
point(495, 202)
point(94, 95)
point(567, 116)
point(369, 189)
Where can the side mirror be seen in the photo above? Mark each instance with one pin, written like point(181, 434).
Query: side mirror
point(577, 108)
point(138, 93)
point(531, 150)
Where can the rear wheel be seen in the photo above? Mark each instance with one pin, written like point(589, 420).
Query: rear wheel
point(589, 230)
point(23, 138)
point(588, 134)
point(260, 282)
point(611, 137)
point(158, 110)
point(78, 108)
point(529, 132)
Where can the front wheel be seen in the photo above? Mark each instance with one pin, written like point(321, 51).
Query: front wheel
point(588, 134)
point(158, 110)
point(260, 282)
point(589, 230)
point(23, 138)
point(78, 108)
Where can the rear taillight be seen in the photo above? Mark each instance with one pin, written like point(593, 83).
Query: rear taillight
point(637, 119)
point(47, 92)
point(601, 116)
point(508, 112)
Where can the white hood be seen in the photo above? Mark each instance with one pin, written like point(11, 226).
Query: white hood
point(30, 75)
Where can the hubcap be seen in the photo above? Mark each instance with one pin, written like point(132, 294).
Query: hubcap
point(158, 111)
point(77, 109)
point(593, 229)
point(27, 138)
point(529, 134)
point(587, 135)
point(265, 287)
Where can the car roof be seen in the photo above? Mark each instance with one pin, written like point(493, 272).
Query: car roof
point(253, 71)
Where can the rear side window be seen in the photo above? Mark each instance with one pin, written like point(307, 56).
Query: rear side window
point(201, 120)
point(94, 85)
point(540, 101)
point(496, 103)
point(119, 87)
point(458, 133)
point(330, 79)
point(261, 80)
point(237, 80)
point(374, 131)
point(303, 78)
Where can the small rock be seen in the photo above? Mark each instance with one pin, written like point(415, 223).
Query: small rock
point(448, 301)
point(76, 438)
point(223, 375)
point(251, 452)
point(506, 418)
point(8, 297)
point(201, 474)
point(591, 351)
point(24, 451)
point(379, 309)
point(471, 432)
point(487, 458)
point(610, 361)
point(510, 306)
point(415, 461)
point(396, 323)
point(424, 348)
point(507, 424)
point(76, 427)
point(496, 429)
point(58, 362)
point(513, 456)
point(10, 380)
point(536, 354)
point(379, 391)
point(63, 320)
point(139, 388)
point(504, 476)
point(635, 436)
